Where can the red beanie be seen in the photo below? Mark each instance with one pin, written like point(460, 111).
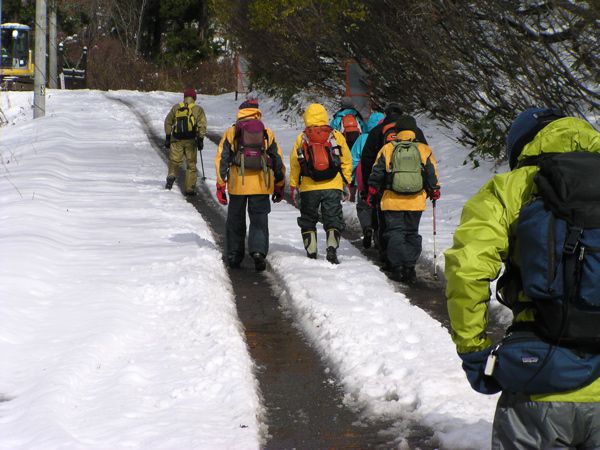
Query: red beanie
point(189, 92)
point(249, 103)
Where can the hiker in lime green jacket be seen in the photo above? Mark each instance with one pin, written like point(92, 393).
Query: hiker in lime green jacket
point(568, 419)
point(185, 143)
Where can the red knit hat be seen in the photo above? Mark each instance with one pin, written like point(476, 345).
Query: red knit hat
point(249, 103)
point(189, 92)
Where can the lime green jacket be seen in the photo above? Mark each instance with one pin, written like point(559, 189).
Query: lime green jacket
point(481, 242)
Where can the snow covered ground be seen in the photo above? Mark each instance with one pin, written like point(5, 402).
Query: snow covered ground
point(119, 326)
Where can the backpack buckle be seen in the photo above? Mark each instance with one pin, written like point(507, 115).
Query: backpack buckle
point(572, 240)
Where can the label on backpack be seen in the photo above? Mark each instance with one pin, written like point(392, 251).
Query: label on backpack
point(185, 122)
point(350, 128)
point(251, 145)
point(319, 154)
point(558, 236)
point(406, 169)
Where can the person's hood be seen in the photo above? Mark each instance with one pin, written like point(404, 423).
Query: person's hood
point(406, 135)
point(374, 120)
point(569, 134)
point(316, 115)
point(248, 113)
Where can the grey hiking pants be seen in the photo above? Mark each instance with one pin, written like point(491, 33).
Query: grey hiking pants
point(259, 208)
point(521, 424)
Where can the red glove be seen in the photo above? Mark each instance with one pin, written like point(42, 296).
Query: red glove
point(372, 196)
point(294, 193)
point(277, 194)
point(346, 193)
point(435, 194)
point(221, 194)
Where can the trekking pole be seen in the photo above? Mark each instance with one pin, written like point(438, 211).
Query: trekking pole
point(435, 275)
point(202, 165)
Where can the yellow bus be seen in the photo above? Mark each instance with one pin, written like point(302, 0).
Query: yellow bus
point(16, 64)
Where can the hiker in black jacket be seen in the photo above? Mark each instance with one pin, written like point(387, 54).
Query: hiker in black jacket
point(378, 137)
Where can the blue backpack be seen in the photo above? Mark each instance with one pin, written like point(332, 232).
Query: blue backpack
point(558, 236)
point(558, 246)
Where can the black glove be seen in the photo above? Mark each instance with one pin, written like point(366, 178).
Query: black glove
point(200, 143)
point(168, 141)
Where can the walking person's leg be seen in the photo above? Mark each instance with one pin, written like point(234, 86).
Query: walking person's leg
point(413, 243)
point(259, 207)
point(309, 216)
point(191, 171)
point(175, 160)
point(333, 221)
point(235, 229)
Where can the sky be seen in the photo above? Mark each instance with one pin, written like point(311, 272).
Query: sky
point(119, 323)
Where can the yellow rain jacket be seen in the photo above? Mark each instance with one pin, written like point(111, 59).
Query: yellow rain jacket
point(481, 243)
point(252, 181)
point(314, 116)
point(392, 201)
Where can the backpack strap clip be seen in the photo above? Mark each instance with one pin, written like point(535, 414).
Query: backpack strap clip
point(572, 240)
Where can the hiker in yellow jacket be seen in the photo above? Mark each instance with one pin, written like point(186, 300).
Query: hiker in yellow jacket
point(320, 171)
point(249, 164)
point(185, 143)
point(402, 210)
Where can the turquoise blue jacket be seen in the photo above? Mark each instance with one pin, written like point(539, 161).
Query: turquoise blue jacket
point(336, 121)
point(357, 148)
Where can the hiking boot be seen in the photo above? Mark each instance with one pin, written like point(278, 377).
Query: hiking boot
point(367, 237)
point(409, 275)
point(397, 273)
point(332, 255)
point(234, 263)
point(169, 184)
point(259, 262)
point(309, 239)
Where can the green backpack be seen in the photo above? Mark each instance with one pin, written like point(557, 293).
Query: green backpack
point(406, 173)
point(185, 122)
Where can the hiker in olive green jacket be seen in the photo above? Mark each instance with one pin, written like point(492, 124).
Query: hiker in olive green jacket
point(186, 145)
point(481, 245)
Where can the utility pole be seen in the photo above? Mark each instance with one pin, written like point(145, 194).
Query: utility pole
point(52, 50)
point(39, 80)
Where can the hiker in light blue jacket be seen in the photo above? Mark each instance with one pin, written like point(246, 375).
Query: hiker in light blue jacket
point(363, 211)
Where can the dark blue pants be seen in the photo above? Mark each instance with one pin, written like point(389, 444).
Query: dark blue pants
point(403, 243)
point(259, 208)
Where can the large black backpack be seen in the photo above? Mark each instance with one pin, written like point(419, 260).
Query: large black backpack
point(558, 247)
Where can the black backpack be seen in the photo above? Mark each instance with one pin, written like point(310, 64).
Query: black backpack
point(185, 122)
